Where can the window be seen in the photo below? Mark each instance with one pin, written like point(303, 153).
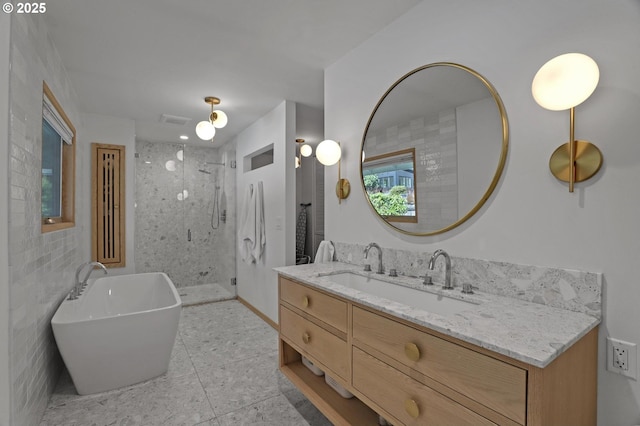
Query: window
point(389, 179)
point(58, 165)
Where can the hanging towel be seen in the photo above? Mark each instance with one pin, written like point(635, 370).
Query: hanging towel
point(247, 226)
point(260, 233)
point(325, 252)
point(301, 230)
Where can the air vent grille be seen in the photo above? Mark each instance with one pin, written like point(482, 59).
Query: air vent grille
point(174, 119)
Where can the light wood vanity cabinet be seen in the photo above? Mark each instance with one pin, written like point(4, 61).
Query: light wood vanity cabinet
point(412, 375)
point(493, 383)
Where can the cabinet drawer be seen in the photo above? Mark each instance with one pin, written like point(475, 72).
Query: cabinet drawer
point(409, 401)
point(324, 307)
point(316, 342)
point(493, 383)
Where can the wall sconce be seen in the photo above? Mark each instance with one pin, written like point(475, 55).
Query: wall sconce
point(563, 83)
point(304, 150)
point(328, 153)
point(206, 129)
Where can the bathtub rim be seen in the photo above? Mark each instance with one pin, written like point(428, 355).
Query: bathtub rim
point(62, 315)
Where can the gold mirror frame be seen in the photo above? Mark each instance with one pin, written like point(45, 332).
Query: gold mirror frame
point(501, 161)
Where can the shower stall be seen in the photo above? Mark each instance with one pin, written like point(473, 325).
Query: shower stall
point(185, 214)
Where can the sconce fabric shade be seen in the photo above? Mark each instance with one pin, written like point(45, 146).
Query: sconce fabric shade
point(205, 130)
point(565, 81)
point(306, 150)
point(328, 152)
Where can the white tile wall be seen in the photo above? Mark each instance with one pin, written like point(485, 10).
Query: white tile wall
point(41, 265)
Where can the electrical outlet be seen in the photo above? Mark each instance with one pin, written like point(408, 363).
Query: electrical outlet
point(622, 357)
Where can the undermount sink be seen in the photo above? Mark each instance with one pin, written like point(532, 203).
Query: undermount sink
point(430, 302)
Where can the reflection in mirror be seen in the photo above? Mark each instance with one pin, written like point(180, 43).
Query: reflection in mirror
point(389, 181)
point(452, 124)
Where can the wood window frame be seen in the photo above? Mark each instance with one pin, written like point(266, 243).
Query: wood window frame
point(101, 234)
point(68, 204)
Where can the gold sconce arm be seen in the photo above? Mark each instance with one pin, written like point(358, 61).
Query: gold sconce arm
point(343, 187)
point(576, 160)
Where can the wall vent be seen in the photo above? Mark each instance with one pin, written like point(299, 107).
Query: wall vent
point(174, 119)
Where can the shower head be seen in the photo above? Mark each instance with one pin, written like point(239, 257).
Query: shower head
point(204, 171)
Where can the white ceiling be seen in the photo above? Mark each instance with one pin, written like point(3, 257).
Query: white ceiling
point(139, 59)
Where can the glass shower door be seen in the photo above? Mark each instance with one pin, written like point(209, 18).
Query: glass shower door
point(185, 215)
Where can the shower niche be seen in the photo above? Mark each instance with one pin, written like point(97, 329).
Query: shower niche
point(185, 213)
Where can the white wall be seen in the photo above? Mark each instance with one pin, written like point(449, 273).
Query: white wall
point(115, 131)
point(257, 283)
point(531, 218)
point(5, 342)
point(479, 146)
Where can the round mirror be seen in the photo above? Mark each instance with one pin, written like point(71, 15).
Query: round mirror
point(434, 148)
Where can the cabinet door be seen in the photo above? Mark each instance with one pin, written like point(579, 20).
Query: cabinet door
point(406, 399)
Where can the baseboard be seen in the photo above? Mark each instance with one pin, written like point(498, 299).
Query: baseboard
point(258, 313)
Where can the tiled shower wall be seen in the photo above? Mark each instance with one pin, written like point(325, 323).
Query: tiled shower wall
point(175, 200)
point(41, 266)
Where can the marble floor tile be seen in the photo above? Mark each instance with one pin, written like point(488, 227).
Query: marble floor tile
point(223, 371)
point(215, 348)
point(273, 411)
point(218, 316)
point(236, 385)
point(170, 401)
point(212, 422)
point(307, 410)
point(180, 363)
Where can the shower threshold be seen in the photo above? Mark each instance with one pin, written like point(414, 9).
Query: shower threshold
point(205, 293)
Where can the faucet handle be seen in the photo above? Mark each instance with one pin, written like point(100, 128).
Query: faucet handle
point(393, 272)
point(367, 268)
point(427, 280)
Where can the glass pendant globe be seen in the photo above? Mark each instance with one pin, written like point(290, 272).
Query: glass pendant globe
point(328, 152)
point(205, 130)
point(306, 150)
point(565, 81)
point(219, 119)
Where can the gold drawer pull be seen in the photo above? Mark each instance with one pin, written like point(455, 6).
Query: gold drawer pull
point(306, 337)
point(412, 351)
point(412, 408)
point(305, 301)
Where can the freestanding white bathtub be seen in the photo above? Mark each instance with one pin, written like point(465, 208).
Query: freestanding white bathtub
point(120, 331)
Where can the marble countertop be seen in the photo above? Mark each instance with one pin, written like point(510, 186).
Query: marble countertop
point(533, 333)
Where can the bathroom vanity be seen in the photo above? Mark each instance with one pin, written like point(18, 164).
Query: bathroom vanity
point(492, 360)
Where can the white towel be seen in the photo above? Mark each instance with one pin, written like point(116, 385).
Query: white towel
point(252, 233)
point(325, 252)
point(261, 236)
point(247, 224)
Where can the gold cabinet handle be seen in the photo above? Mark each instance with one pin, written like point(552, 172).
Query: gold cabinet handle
point(411, 407)
point(305, 301)
point(306, 337)
point(412, 351)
